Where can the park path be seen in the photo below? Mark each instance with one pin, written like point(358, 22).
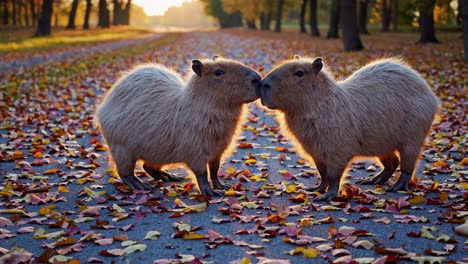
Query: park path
point(85, 51)
point(265, 216)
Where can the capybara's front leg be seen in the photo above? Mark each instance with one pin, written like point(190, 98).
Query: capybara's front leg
point(389, 163)
point(125, 168)
point(334, 178)
point(204, 185)
point(159, 174)
point(322, 169)
point(409, 155)
point(217, 184)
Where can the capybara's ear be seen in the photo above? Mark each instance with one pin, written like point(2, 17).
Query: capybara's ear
point(297, 57)
point(197, 67)
point(317, 64)
point(215, 57)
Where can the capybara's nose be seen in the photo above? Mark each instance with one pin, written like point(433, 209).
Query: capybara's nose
point(265, 85)
point(256, 81)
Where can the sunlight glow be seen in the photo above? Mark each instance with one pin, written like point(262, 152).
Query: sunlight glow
point(158, 7)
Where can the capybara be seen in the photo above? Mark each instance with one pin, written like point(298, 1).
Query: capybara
point(384, 108)
point(152, 114)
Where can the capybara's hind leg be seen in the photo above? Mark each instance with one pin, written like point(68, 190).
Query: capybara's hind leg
point(334, 177)
point(408, 157)
point(159, 174)
point(125, 167)
point(389, 163)
point(217, 184)
point(322, 187)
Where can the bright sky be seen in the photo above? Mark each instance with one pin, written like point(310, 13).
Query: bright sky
point(157, 7)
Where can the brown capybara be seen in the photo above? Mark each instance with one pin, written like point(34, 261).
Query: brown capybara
point(383, 108)
point(152, 114)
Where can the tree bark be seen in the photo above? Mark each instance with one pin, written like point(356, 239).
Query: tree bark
point(126, 13)
point(279, 15)
point(464, 16)
point(32, 8)
point(13, 11)
point(386, 10)
point(103, 14)
point(5, 13)
point(45, 19)
point(313, 19)
point(72, 15)
point(395, 15)
point(25, 13)
point(251, 24)
point(426, 21)
point(334, 19)
point(349, 28)
point(302, 17)
point(87, 13)
point(363, 4)
point(116, 13)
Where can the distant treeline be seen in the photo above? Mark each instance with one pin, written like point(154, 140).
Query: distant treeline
point(189, 14)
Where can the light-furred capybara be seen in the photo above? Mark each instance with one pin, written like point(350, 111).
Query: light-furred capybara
point(382, 109)
point(152, 114)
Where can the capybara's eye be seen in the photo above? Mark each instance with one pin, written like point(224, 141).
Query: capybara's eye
point(299, 73)
point(219, 72)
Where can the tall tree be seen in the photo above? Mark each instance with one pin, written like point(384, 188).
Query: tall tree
point(126, 13)
point(334, 19)
point(279, 15)
point(395, 8)
point(72, 15)
point(13, 11)
point(349, 28)
point(89, 5)
point(45, 19)
point(24, 5)
point(302, 17)
point(363, 7)
point(5, 12)
point(386, 15)
point(225, 19)
point(426, 21)
point(32, 8)
point(266, 14)
point(463, 7)
point(103, 14)
point(313, 19)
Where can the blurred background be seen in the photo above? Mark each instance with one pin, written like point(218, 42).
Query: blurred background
point(317, 17)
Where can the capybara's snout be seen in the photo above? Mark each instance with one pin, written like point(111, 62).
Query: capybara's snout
point(264, 91)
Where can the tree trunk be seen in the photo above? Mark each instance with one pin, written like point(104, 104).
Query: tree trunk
point(349, 28)
point(6, 13)
point(262, 21)
point(26, 13)
point(116, 13)
point(103, 14)
point(87, 13)
point(302, 17)
point(251, 24)
point(126, 13)
point(334, 19)
point(19, 18)
point(313, 19)
point(426, 21)
point(363, 4)
point(72, 15)
point(395, 15)
point(13, 11)
point(45, 19)
point(464, 16)
point(279, 15)
point(386, 10)
point(32, 8)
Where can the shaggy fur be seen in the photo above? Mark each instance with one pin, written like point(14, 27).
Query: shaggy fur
point(384, 108)
point(152, 114)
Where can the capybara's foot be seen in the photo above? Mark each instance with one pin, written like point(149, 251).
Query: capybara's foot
point(325, 197)
point(319, 188)
point(135, 183)
point(401, 184)
point(161, 175)
point(221, 186)
point(207, 191)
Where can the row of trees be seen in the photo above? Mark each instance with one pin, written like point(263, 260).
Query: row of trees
point(352, 15)
point(41, 12)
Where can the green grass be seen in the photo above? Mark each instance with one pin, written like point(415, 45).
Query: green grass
point(22, 40)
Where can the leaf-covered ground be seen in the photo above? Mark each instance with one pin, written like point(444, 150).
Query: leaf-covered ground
point(60, 201)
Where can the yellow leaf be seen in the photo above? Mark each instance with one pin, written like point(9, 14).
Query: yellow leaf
point(38, 155)
point(231, 170)
point(171, 193)
point(47, 209)
point(310, 252)
point(464, 185)
point(291, 188)
point(419, 199)
point(230, 192)
point(12, 211)
point(94, 194)
point(63, 189)
point(244, 260)
point(251, 161)
point(193, 236)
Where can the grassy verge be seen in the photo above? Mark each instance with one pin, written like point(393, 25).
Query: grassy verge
point(17, 41)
